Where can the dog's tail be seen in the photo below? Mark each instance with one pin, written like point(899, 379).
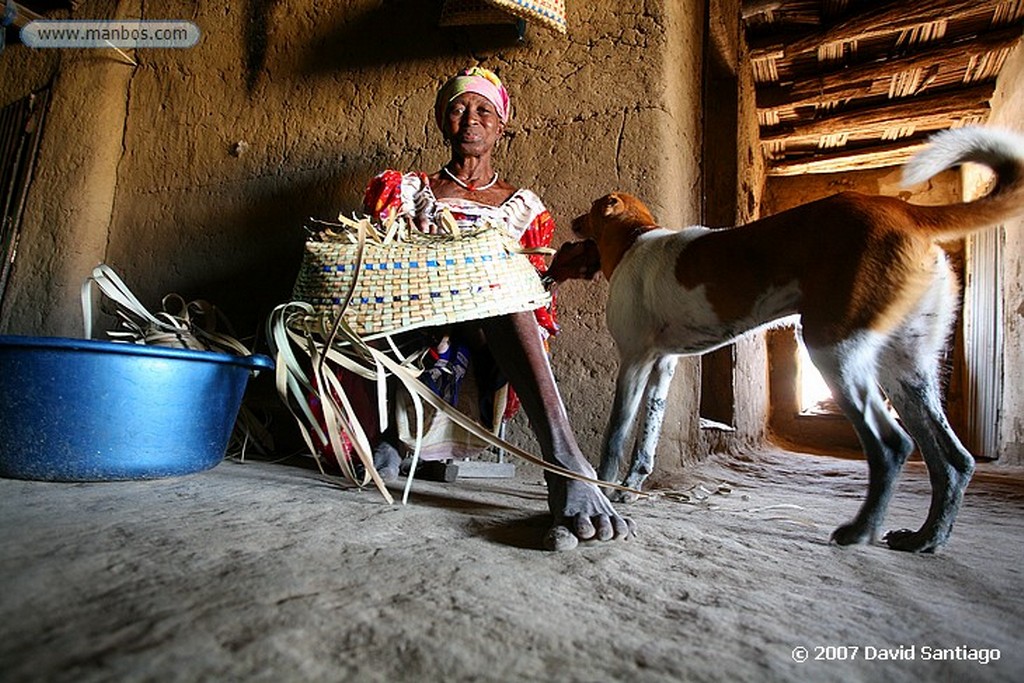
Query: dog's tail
point(1000, 150)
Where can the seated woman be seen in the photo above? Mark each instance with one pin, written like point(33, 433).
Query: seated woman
point(471, 110)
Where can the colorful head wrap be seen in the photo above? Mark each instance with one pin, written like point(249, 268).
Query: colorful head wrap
point(477, 80)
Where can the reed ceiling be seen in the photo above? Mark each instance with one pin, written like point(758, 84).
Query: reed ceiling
point(849, 84)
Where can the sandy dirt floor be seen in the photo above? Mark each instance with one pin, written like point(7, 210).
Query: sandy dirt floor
point(265, 572)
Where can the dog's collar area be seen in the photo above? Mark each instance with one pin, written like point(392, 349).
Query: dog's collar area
point(635, 234)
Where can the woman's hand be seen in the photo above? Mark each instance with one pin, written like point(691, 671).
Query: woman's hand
point(424, 224)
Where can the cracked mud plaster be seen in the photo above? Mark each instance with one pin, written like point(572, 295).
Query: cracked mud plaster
point(326, 96)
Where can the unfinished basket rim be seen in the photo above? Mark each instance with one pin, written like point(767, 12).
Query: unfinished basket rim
point(405, 285)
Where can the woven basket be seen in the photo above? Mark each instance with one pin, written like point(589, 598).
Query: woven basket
point(549, 13)
point(431, 280)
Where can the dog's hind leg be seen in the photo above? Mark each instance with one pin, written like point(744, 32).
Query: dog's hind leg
point(950, 465)
point(849, 368)
point(654, 402)
point(910, 376)
point(629, 387)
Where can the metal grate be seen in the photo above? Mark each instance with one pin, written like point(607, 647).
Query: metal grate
point(21, 125)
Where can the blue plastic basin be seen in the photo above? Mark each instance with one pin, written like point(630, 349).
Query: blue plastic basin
point(82, 410)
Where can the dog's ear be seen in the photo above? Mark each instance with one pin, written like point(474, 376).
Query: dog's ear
point(612, 205)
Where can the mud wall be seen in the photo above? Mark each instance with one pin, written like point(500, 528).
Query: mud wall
point(749, 378)
point(1007, 105)
point(69, 208)
point(193, 171)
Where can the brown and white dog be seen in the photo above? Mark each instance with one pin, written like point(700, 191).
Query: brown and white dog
point(876, 300)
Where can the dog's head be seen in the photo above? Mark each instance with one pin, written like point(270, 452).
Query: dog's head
point(575, 261)
point(617, 211)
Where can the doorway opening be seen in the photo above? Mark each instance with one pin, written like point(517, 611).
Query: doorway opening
point(813, 395)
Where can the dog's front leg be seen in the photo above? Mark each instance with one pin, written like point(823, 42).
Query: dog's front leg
point(629, 387)
point(655, 398)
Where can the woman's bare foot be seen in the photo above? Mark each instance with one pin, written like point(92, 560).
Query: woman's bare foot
point(581, 512)
point(386, 460)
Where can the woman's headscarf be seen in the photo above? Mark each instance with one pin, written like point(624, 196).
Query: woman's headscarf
point(477, 80)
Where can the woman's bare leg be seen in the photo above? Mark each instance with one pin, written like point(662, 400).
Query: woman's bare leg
point(580, 510)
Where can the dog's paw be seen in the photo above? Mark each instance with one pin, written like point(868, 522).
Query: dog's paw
point(851, 534)
point(617, 496)
point(912, 541)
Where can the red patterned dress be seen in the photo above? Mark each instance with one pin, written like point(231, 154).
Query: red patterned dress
point(526, 219)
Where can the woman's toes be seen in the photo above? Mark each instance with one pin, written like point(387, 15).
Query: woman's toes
point(624, 527)
point(605, 529)
point(559, 538)
point(584, 527)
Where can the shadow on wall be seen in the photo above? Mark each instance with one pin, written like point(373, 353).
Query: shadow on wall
point(263, 244)
point(391, 32)
point(258, 14)
point(238, 247)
